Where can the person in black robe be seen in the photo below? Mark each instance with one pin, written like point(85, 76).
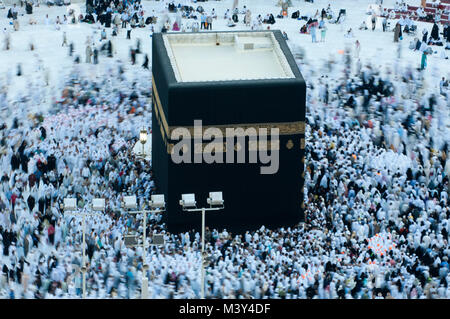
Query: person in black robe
point(110, 51)
point(24, 162)
point(448, 33)
point(95, 55)
point(145, 65)
point(51, 162)
point(31, 201)
point(15, 161)
point(41, 204)
point(425, 37)
point(133, 56)
point(108, 19)
point(28, 8)
point(435, 32)
point(138, 46)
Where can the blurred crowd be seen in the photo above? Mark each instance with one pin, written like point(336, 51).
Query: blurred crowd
point(376, 195)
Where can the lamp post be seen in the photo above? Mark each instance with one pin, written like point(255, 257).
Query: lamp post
point(189, 204)
point(157, 205)
point(70, 205)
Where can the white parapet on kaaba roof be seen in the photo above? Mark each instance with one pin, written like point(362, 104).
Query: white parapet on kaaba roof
point(226, 56)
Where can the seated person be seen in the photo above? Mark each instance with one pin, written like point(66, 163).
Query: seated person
point(256, 24)
point(271, 19)
point(363, 26)
point(404, 7)
point(133, 22)
point(330, 13)
point(231, 23)
point(260, 19)
point(67, 2)
point(421, 13)
point(214, 14)
point(175, 27)
point(172, 7)
point(285, 36)
point(167, 26)
point(406, 29)
point(349, 33)
point(89, 18)
point(304, 29)
point(413, 44)
point(50, 3)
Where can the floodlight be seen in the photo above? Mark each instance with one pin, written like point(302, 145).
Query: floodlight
point(98, 204)
point(157, 201)
point(158, 239)
point(188, 201)
point(130, 240)
point(215, 199)
point(70, 204)
point(130, 202)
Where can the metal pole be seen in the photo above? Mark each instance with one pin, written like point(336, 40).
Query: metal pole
point(83, 269)
point(143, 150)
point(203, 251)
point(144, 292)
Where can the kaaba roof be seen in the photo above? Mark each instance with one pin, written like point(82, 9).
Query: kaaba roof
point(226, 56)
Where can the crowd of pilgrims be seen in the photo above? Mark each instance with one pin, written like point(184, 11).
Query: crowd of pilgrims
point(376, 168)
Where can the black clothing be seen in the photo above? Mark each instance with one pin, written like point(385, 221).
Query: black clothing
point(435, 32)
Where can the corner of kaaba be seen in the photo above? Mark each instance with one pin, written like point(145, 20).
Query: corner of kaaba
point(246, 79)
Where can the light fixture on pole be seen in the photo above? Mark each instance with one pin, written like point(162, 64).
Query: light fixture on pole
point(188, 203)
point(143, 135)
point(157, 205)
point(70, 205)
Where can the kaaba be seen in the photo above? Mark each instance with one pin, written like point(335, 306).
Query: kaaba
point(247, 82)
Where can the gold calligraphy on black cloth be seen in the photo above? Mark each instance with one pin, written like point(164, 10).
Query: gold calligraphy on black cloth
point(285, 128)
